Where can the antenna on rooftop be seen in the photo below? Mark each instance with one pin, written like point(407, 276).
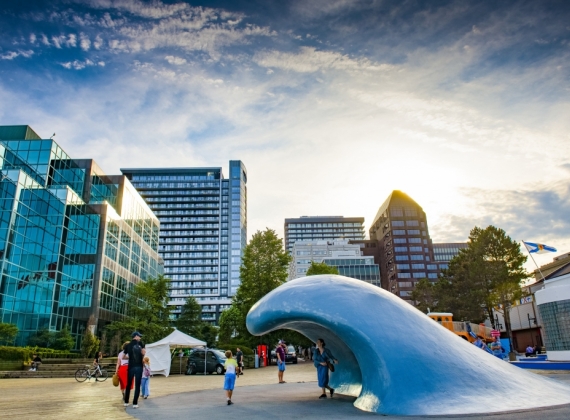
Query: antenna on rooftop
point(52, 136)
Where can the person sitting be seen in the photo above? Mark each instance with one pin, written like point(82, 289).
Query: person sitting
point(529, 351)
point(36, 362)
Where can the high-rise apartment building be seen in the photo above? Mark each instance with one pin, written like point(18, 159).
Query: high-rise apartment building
point(203, 230)
point(73, 240)
point(347, 258)
point(314, 228)
point(404, 245)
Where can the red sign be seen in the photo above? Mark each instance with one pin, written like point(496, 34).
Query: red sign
point(495, 333)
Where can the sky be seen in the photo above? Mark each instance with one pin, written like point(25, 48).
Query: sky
point(331, 104)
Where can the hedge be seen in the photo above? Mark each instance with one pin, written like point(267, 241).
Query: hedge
point(25, 354)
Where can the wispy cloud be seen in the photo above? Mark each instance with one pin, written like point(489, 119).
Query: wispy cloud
point(13, 54)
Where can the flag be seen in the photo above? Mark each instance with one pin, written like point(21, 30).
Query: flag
point(538, 248)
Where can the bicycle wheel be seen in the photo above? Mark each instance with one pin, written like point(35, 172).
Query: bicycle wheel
point(101, 376)
point(81, 375)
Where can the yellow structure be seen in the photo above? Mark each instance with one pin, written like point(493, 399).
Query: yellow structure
point(460, 328)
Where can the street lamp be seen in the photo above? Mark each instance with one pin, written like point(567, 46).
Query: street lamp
point(498, 325)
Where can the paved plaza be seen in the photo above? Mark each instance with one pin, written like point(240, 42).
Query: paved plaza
point(257, 396)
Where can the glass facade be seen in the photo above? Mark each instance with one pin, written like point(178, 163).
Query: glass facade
point(203, 219)
point(556, 321)
point(59, 219)
point(357, 268)
point(445, 252)
point(405, 247)
point(307, 228)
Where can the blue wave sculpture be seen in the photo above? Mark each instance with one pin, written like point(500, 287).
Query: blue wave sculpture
point(394, 358)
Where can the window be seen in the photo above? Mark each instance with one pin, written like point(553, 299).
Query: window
point(403, 266)
point(432, 275)
point(443, 266)
point(402, 258)
point(418, 266)
point(415, 249)
point(419, 275)
point(399, 240)
point(405, 293)
point(404, 275)
point(404, 284)
point(432, 267)
point(399, 232)
point(412, 223)
point(401, 249)
point(398, 223)
point(413, 232)
point(415, 240)
point(417, 257)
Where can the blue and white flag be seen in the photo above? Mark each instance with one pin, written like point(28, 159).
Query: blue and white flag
point(538, 248)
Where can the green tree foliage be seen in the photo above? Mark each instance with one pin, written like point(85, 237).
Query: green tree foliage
point(209, 334)
point(190, 319)
point(147, 311)
point(89, 344)
point(320, 268)
point(263, 269)
point(485, 275)
point(63, 340)
point(42, 338)
point(8, 333)
point(231, 321)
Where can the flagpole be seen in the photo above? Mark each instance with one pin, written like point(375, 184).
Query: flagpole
point(532, 258)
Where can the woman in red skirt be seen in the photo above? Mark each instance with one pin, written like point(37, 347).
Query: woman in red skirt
point(122, 370)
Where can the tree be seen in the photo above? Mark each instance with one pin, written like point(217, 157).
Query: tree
point(8, 333)
point(63, 340)
point(89, 343)
point(486, 275)
point(209, 334)
point(263, 269)
point(424, 296)
point(321, 268)
point(231, 320)
point(42, 338)
point(147, 311)
point(190, 319)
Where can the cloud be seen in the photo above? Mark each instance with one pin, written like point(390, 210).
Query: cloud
point(175, 60)
point(310, 60)
point(85, 43)
point(13, 54)
point(79, 65)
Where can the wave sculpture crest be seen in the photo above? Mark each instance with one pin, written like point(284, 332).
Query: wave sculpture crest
point(395, 359)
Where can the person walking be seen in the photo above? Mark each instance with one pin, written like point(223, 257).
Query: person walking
point(135, 352)
point(321, 359)
point(280, 354)
point(230, 378)
point(239, 360)
point(145, 380)
point(121, 369)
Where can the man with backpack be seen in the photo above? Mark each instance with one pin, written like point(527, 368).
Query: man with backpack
point(135, 352)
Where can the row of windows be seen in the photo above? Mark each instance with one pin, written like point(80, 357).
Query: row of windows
point(410, 257)
point(410, 249)
point(208, 175)
point(408, 240)
point(321, 225)
point(409, 232)
point(401, 223)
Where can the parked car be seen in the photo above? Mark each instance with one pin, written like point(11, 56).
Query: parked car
point(215, 360)
point(290, 356)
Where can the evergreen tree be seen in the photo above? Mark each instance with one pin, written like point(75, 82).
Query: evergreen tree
point(190, 319)
point(231, 321)
point(320, 268)
point(63, 340)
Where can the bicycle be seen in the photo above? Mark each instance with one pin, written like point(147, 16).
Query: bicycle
point(88, 372)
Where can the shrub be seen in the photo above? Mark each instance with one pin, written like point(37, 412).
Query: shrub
point(8, 333)
point(25, 354)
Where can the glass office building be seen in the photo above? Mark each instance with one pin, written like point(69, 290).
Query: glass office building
point(203, 230)
point(73, 240)
point(315, 228)
point(404, 245)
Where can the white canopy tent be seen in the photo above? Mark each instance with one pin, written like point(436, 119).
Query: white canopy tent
point(159, 352)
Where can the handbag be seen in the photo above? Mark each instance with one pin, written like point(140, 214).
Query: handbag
point(330, 366)
point(115, 380)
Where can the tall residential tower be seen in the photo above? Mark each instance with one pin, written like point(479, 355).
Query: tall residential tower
point(203, 230)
